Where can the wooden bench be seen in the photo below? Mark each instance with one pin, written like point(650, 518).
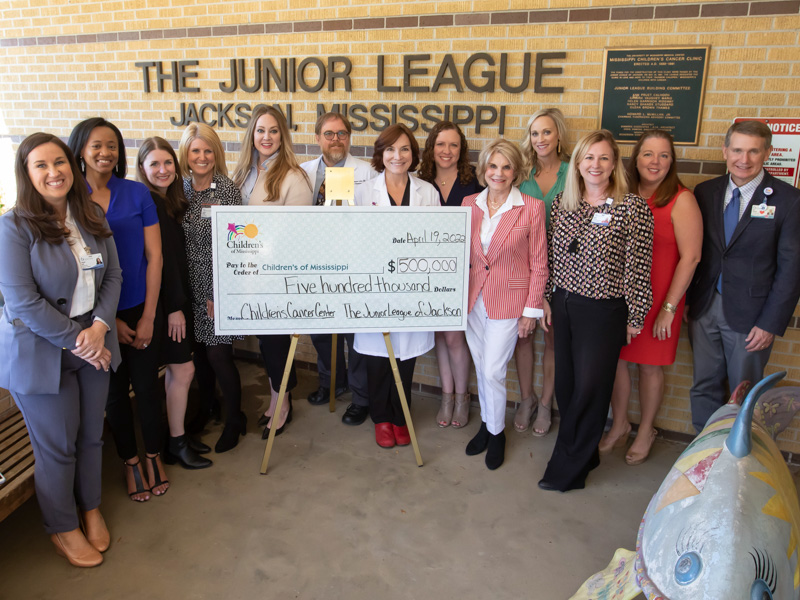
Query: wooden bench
point(16, 460)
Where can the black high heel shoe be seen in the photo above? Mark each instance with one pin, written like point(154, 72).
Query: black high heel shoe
point(264, 419)
point(230, 434)
point(265, 433)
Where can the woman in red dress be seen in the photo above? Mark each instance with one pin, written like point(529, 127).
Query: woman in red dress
point(677, 242)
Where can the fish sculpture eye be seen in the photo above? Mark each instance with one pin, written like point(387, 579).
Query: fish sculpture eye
point(688, 568)
point(765, 577)
point(760, 591)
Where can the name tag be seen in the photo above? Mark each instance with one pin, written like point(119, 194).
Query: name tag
point(205, 211)
point(91, 261)
point(762, 211)
point(601, 219)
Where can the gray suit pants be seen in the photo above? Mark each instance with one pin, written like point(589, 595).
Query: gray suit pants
point(66, 432)
point(719, 354)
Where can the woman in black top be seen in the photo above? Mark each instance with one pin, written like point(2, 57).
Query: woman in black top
point(445, 164)
point(158, 169)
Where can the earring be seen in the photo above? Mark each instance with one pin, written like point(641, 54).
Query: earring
point(83, 167)
point(558, 147)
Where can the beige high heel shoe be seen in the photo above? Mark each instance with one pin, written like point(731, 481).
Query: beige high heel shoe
point(608, 444)
point(445, 414)
point(74, 546)
point(544, 419)
point(461, 412)
point(524, 413)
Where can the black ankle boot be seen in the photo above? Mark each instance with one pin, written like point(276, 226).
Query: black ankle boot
point(178, 450)
point(497, 450)
point(478, 444)
point(230, 434)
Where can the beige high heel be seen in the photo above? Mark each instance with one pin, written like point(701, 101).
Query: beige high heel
point(461, 412)
point(73, 546)
point(608, 444)
point(544, 419)
point(524, 413)
point(637, 458)
point(445, 410)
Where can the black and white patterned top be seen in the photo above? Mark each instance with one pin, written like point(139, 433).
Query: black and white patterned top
point(197, 230)
point(604, 261)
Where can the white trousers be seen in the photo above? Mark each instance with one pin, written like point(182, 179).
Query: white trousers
point(491, 343)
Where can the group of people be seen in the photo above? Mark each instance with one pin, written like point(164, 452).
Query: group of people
point(105, 279)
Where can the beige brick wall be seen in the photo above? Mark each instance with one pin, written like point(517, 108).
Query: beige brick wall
point(62, 62)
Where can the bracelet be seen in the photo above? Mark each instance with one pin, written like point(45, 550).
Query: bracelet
point(669, 307)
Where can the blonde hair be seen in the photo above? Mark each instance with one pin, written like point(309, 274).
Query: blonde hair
point(285, 162)
point(532, 163)
point(508, 150)
point(574, 187)
point(203, 132)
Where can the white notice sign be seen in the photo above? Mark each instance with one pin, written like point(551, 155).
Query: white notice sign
point(339, 269)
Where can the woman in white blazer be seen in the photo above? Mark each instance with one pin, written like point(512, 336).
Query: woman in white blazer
point(61, 280)
point(396, 153)
point(268, 174)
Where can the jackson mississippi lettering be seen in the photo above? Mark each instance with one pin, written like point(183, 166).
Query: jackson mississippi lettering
point(272, 79)
point(339, 269)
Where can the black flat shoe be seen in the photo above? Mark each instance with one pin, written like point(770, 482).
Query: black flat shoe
point(178, 450)
point(320, 396)
point(355, 414)
point(230, 434)
point(496, 452)
point(265, 433)
point(548, 487)
point(479, 443)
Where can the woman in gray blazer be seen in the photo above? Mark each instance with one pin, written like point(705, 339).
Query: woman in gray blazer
point(61, 279)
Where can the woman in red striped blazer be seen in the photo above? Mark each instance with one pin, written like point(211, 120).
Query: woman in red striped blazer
point(507, 277)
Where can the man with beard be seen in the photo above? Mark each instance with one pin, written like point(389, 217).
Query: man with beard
point(333, 136)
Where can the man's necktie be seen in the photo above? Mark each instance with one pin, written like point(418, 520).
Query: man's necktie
point(730, 218)
point(321, 194)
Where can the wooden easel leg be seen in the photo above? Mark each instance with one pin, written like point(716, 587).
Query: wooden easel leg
point(281, 395)
point(400, 392)
point(332, 404)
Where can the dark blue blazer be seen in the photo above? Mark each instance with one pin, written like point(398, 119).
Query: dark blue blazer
point(37, 280)
point(760, 266)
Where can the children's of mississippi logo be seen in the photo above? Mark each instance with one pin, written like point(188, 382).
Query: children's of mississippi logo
point(234, 231)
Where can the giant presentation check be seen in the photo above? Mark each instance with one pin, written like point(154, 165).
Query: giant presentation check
point(339, 269)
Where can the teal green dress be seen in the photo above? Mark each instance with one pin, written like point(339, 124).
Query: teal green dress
point(531, 188)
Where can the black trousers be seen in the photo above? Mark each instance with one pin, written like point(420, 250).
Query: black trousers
point(139, 369)
point(384, 401)
point(214, 364)
point(589, 335)
point(353, 373)
point(274, 353)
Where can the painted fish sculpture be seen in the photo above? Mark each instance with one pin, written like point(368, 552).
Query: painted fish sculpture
point(725, 523)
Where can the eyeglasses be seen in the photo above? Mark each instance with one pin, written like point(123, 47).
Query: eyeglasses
point(342, 135)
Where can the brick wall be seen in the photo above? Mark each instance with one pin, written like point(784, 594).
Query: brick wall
point(62, 62)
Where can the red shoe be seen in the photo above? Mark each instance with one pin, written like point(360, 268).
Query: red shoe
point(384, 435)
point(401, 435)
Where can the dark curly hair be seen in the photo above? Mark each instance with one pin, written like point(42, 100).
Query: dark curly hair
point(427, 168)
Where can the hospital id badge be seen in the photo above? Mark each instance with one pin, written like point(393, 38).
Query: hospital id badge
point(205, 211)
point(91, 261)
point(601, 219)
point(762, 211)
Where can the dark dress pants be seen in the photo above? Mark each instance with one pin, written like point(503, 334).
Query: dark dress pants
point(139, 369)
point(589, 335)
point(352, 373)
point(384, 401)
point(66, 431)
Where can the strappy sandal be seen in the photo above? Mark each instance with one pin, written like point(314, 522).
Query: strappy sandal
point(157, 481)
point(445, 410)
point(461, 411)
point(138, 481)
point(541, 425)
point(524, 413)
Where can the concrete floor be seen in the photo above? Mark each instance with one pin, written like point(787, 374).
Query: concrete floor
point(338, 517)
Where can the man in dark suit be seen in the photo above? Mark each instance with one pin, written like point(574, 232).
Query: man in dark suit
point(747, 284)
